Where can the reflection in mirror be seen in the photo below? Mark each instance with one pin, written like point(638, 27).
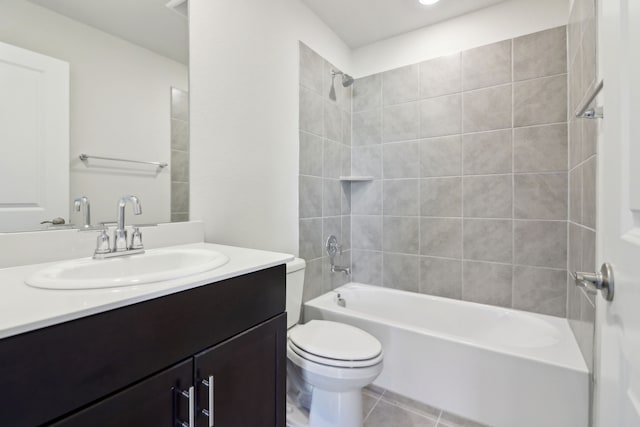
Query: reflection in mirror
point(101, 78)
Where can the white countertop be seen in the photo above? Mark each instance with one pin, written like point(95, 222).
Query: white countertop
point(23, 308)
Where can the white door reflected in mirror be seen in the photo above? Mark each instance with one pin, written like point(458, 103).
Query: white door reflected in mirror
point(34, 135)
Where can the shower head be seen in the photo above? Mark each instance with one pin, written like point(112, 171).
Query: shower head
point(347, 80)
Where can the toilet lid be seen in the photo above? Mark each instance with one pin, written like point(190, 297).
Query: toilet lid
point(336, 341)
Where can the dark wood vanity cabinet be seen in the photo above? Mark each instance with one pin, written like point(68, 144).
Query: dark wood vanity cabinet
point(246, 375)
point(134, 366)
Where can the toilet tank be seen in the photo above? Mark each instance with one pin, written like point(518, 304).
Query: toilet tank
point(295, 284)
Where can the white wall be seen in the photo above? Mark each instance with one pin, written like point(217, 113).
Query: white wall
point(244, 116)
point(500, 22)
point(120, 103)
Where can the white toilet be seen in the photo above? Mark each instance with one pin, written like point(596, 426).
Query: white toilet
point(328, 364)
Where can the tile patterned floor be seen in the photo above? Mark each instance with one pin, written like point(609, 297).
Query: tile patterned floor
point(383, 408)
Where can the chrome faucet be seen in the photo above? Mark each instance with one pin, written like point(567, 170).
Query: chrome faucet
point(121, 245)
point(333, 249)
point(82, 203)
point(120, 235)
point(340, 269)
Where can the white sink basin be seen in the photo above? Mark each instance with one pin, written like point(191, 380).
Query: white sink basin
point(155, 265)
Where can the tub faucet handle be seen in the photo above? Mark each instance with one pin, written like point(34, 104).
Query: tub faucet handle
point(333, 247)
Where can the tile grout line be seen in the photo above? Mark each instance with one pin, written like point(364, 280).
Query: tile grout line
point(468, 218)
point(350, 169)
point(381, 135)
point(513, 178)
point(451, 135)
point(338, 102)
point(324, 112)
point(374, 406)
point(570, 137)
point(409, 408)
point(462, 263)
point(488, 175)
point(558, 172)
point(420, 184)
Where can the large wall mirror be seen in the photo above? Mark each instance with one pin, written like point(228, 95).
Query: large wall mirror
point(104, 79)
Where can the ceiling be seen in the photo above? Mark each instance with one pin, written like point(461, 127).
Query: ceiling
point(360, 22)
point(148, 23)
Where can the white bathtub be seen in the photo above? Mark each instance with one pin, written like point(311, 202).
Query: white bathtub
point(500, 367)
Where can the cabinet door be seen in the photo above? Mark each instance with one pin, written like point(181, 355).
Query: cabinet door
point(249, 378)
point(154, 402)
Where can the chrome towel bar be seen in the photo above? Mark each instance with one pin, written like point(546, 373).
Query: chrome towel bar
point(595, 112)
point(85, 157)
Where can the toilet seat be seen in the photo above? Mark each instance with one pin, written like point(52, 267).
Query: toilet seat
point(335, 344)
point(332, 377)
point(337, 363)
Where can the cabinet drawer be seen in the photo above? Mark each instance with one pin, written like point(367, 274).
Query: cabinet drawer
point(150, 403)
point(51, 372)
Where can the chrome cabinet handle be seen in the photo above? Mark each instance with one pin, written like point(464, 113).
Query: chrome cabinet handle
point(209, 411)
point(189, 394)
point(598, 281)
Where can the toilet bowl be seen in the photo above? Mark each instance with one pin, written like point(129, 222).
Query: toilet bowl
point(328, 365)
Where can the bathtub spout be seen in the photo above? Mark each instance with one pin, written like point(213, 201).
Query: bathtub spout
point(339, 269)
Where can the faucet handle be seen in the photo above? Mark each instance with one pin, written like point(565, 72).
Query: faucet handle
point(136, 239)
point(332, 247)
point(102, 245)
point(120, 240)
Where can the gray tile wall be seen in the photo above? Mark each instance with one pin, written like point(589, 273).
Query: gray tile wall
point(582, 172)
point(179, 155)
point(469, 156)
point(325, 155)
